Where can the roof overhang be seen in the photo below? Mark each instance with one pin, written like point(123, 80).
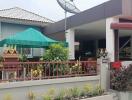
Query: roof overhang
point(105, 10)
point(25, 22)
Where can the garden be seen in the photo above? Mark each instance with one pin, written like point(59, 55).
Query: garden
point(75, 93)
point(53, 64)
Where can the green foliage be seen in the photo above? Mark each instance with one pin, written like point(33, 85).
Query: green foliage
point(49, 95)
point(88, 89)
point(23, 58)
point(31, 95)
point(8, 96)
point(46, 97)
point(75, 92)
point(51, 92)
point(1, 59)
point(61, 95)
point(77, 68)
point(68, 93)
point(98, 91)
point(121, 79)
point(56, 52)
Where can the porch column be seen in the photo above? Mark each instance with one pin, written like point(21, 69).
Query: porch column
point(110, 47)
point(110, 38)
point(70, 38)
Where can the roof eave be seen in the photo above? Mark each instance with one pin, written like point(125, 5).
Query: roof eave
point(24, 21)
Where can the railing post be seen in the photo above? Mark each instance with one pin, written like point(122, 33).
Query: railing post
point(31, 74)
point(15, 75)
point(40, 75)
point(2, 75)
point(24, 73)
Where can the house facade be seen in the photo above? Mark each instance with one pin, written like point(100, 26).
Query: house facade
point(106, 26)
point(16, 20)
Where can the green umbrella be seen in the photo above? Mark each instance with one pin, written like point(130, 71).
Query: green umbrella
point(29, 38)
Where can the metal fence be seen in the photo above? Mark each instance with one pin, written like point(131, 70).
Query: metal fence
point(23, 71)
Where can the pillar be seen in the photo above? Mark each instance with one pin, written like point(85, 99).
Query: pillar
point(110, 47)
point(110, 38)
point(104, 74)
point(70, 38)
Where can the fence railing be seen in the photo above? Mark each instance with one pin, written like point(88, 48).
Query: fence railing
point(22, 71)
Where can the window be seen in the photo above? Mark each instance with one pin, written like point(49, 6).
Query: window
point(26, 51)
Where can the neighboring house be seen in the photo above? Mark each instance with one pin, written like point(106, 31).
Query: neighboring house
point(15, 20)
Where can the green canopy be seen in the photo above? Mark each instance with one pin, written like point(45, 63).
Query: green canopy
point(29, 38)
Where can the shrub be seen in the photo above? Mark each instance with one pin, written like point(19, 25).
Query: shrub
point(46, 97)
point(120, 79)
point(68, 94)
point(56, 52)
point(88, 89)
point(51, 92)
point(61, 95)
point(75, 92)
point(49, 95)
point(31, 95)
point(97, 91)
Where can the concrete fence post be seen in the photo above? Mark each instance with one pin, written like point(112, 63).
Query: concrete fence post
point(104, 73)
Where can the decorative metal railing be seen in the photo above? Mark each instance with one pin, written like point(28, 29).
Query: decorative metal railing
point(23, 71)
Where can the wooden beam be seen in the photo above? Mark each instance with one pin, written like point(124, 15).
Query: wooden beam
point(125, 26)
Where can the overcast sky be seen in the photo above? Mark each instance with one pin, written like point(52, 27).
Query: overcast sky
point(48, 8)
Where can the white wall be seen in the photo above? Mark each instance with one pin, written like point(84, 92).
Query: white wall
point(19, 90)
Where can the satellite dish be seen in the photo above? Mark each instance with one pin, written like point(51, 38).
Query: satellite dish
point(68, 6)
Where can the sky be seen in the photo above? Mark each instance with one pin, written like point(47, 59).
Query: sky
point(48, 8)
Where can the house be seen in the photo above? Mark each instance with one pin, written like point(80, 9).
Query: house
point(15, 20)
point(106, 26)
point(95, 28)
point(98, 27)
